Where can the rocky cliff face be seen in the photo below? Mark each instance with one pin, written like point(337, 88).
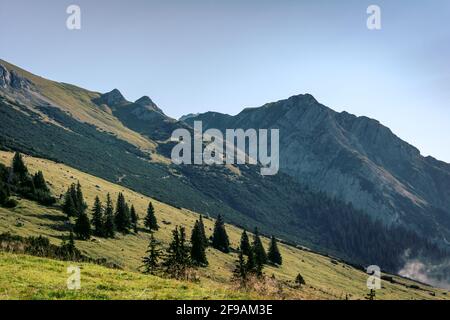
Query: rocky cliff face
point(11, 80)
point(355, 159)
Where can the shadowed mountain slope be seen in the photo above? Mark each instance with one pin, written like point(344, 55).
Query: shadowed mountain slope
point(355, 159)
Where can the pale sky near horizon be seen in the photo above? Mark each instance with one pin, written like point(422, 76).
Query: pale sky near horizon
point(204, 55)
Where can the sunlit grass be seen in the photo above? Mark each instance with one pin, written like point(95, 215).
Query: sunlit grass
point(324, 279)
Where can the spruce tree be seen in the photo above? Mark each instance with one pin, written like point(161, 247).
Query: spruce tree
point(79, 199)
point(134, 219)
point(122, 219)
point(171, 256)
point(274, 255)
point(109, 227)
point(198, 255)
point(220, 239)
point(18, 166)
point(39, 182)
point(68, 250)
point(299, 280)
point(74, 195)
point(251, 266)
point(68, 206)
point(98, 222)
point(152, 258)
point(150, 221)
point(177, 258)
point(184, 249)
point(71, 242)
point(258, 250)
point(202, 230)
point(240, 271)
point(82, 227)
point(245, 244)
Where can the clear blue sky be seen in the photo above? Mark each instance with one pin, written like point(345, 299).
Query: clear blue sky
point(200, 55)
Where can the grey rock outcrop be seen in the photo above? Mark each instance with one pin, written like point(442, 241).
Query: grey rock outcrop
point(355, 159)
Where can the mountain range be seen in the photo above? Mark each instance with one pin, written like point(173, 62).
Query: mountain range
point(355, 159)
point(347, 185)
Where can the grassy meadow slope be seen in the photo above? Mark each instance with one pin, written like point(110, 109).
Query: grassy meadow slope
point(27, 277)
point(325, 278)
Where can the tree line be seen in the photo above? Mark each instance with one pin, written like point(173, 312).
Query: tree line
point(16, 180)
point(180, 256)
point(107, 219)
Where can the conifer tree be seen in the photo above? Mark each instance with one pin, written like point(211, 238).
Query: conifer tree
point(198, 254)
point(82, 227)
point(41, 191)
point(74, 204)
point(74, 195)
point(150, 221)
point(68, 250)
point(240, 271)
point(184, 249)
point(71, 242)
point(274, 255)
point(39, 182)
point(122, 218)
point(202, 230)
point(109, 227)
point(251, 265)
point(18, 166)
point(220, 239)
point(245, 244)
point(79, 199)
point(177, 258)
point(134, 219)
point(98, 222)
point(151, 260)
point(69, 207)
point(258, 250)
point(299, 280)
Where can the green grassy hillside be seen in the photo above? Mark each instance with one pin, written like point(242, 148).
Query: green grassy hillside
point(325, 278)
point(27, 277)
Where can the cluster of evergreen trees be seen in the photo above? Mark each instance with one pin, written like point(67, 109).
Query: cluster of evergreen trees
point(17, 180)
point(253, 257)
point(179, 257)
point(106, 219)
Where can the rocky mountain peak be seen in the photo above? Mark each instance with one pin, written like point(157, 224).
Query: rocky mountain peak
point(305, 98)
point(112, 98)
point(148, 104)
